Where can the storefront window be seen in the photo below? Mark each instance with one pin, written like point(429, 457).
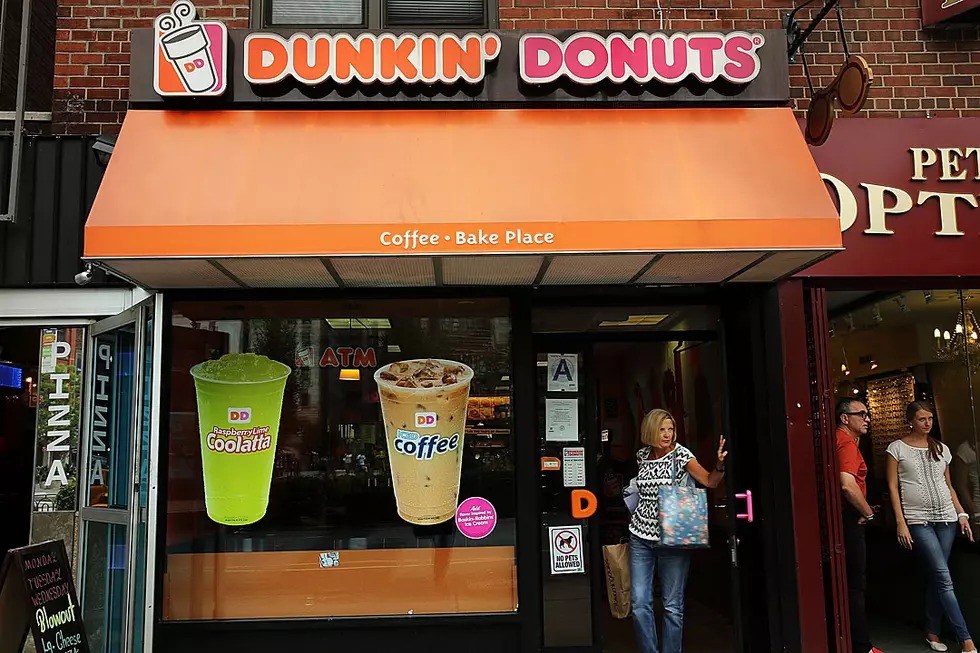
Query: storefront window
point(888, 349)
point(58, 402)
point(324, 480)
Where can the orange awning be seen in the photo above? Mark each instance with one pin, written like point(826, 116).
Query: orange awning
point(238, 191)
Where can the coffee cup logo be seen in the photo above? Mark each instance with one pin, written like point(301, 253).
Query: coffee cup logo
point(191, 55)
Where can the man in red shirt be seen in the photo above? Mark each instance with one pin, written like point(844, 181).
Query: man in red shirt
point(853, 420)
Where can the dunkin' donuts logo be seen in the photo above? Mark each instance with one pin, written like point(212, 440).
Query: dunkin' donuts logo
point(424, 447)
point(190, 56)
point(425, 420)
point(239, 415)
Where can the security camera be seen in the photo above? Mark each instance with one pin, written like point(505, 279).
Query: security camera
point(84, 277)
point(103, 147)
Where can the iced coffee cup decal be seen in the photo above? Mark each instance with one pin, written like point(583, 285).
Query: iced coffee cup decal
point(423, 404)
point(190, 55)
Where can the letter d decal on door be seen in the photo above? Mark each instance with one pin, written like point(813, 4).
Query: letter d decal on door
point(584, 504)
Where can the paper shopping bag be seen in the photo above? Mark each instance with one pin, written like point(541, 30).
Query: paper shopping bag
point(617, 563)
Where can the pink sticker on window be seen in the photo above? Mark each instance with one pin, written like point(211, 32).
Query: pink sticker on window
point(476, 518)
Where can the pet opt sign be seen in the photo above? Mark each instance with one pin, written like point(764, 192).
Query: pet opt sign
point(908, 193)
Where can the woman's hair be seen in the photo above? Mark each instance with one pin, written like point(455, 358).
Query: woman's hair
point(935, 447)
point(650, 429)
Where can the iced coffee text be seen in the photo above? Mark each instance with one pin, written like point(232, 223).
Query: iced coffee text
point(424, 447)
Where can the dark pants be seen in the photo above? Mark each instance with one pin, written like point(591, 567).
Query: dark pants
point(855, 550)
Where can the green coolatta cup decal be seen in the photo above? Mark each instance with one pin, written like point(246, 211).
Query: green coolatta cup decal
point(239, 402)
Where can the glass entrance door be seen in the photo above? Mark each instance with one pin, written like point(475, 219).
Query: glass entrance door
point(114, 481)
point(619, 379)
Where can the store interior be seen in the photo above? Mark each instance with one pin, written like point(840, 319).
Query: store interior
point(685, 379)
point(18, 418)
point(888, 349)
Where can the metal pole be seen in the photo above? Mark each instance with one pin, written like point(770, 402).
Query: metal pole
point(15, 162)
point(795, 45)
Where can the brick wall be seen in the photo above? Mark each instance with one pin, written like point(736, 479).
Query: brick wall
point(917, 72)
point(91, 76)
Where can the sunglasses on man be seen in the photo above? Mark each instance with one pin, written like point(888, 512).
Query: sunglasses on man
point(863, 414)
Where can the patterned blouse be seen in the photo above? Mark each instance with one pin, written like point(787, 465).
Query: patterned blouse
point(653, 474)
point(922, 484)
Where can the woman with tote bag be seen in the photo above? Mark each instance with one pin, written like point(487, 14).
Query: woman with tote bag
point(665, 464)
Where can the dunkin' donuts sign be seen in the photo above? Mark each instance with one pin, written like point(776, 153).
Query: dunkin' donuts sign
point(587, 58)
point(191, 59)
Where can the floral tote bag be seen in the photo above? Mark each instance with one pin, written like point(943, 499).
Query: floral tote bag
point(683, 513)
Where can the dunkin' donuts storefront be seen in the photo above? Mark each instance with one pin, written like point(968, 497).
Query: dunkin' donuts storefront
point(414, 294)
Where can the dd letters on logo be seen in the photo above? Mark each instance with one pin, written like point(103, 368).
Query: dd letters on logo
point(425, 420)
point(239, 415)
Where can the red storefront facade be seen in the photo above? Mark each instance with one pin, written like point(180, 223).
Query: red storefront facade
point(890, 319)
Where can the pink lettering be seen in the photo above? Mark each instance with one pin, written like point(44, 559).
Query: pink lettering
point(669, 66)
point(586, 58)
point(706, 47)
point(743, 63)
point(541, 58)
point(633, 54)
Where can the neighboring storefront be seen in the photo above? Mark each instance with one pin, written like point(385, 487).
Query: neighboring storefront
point(47, 303)
point(472, 277)
point(893, 319)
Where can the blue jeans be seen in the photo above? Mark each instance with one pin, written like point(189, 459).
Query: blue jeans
point(932, 543)
point(672, 564)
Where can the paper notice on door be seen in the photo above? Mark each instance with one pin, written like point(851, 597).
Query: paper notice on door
point(562, 372)
point(561, 420)
point(48, 362)
point(573, 464)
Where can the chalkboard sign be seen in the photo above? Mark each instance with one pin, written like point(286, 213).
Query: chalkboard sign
point(37, 593)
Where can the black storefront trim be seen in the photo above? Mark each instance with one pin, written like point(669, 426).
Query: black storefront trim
point(529, 590)
point(753, 346)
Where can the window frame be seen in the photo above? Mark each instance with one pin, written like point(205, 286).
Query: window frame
point(508, 308)
point(373, 12)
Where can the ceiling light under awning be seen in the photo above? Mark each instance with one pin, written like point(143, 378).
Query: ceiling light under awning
point(635, 321)
point(358, 323)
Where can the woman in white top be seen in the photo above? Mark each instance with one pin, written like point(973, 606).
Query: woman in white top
point(662, 462)
point(928, 514)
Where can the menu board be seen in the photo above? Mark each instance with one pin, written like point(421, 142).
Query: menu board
point(37, 593)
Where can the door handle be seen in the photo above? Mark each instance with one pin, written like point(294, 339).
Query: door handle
point(749, 514)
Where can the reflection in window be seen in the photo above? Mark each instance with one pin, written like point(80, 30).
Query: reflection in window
point(333, 539)
point(964, 346)
point(890, 348)
point(887, 348)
